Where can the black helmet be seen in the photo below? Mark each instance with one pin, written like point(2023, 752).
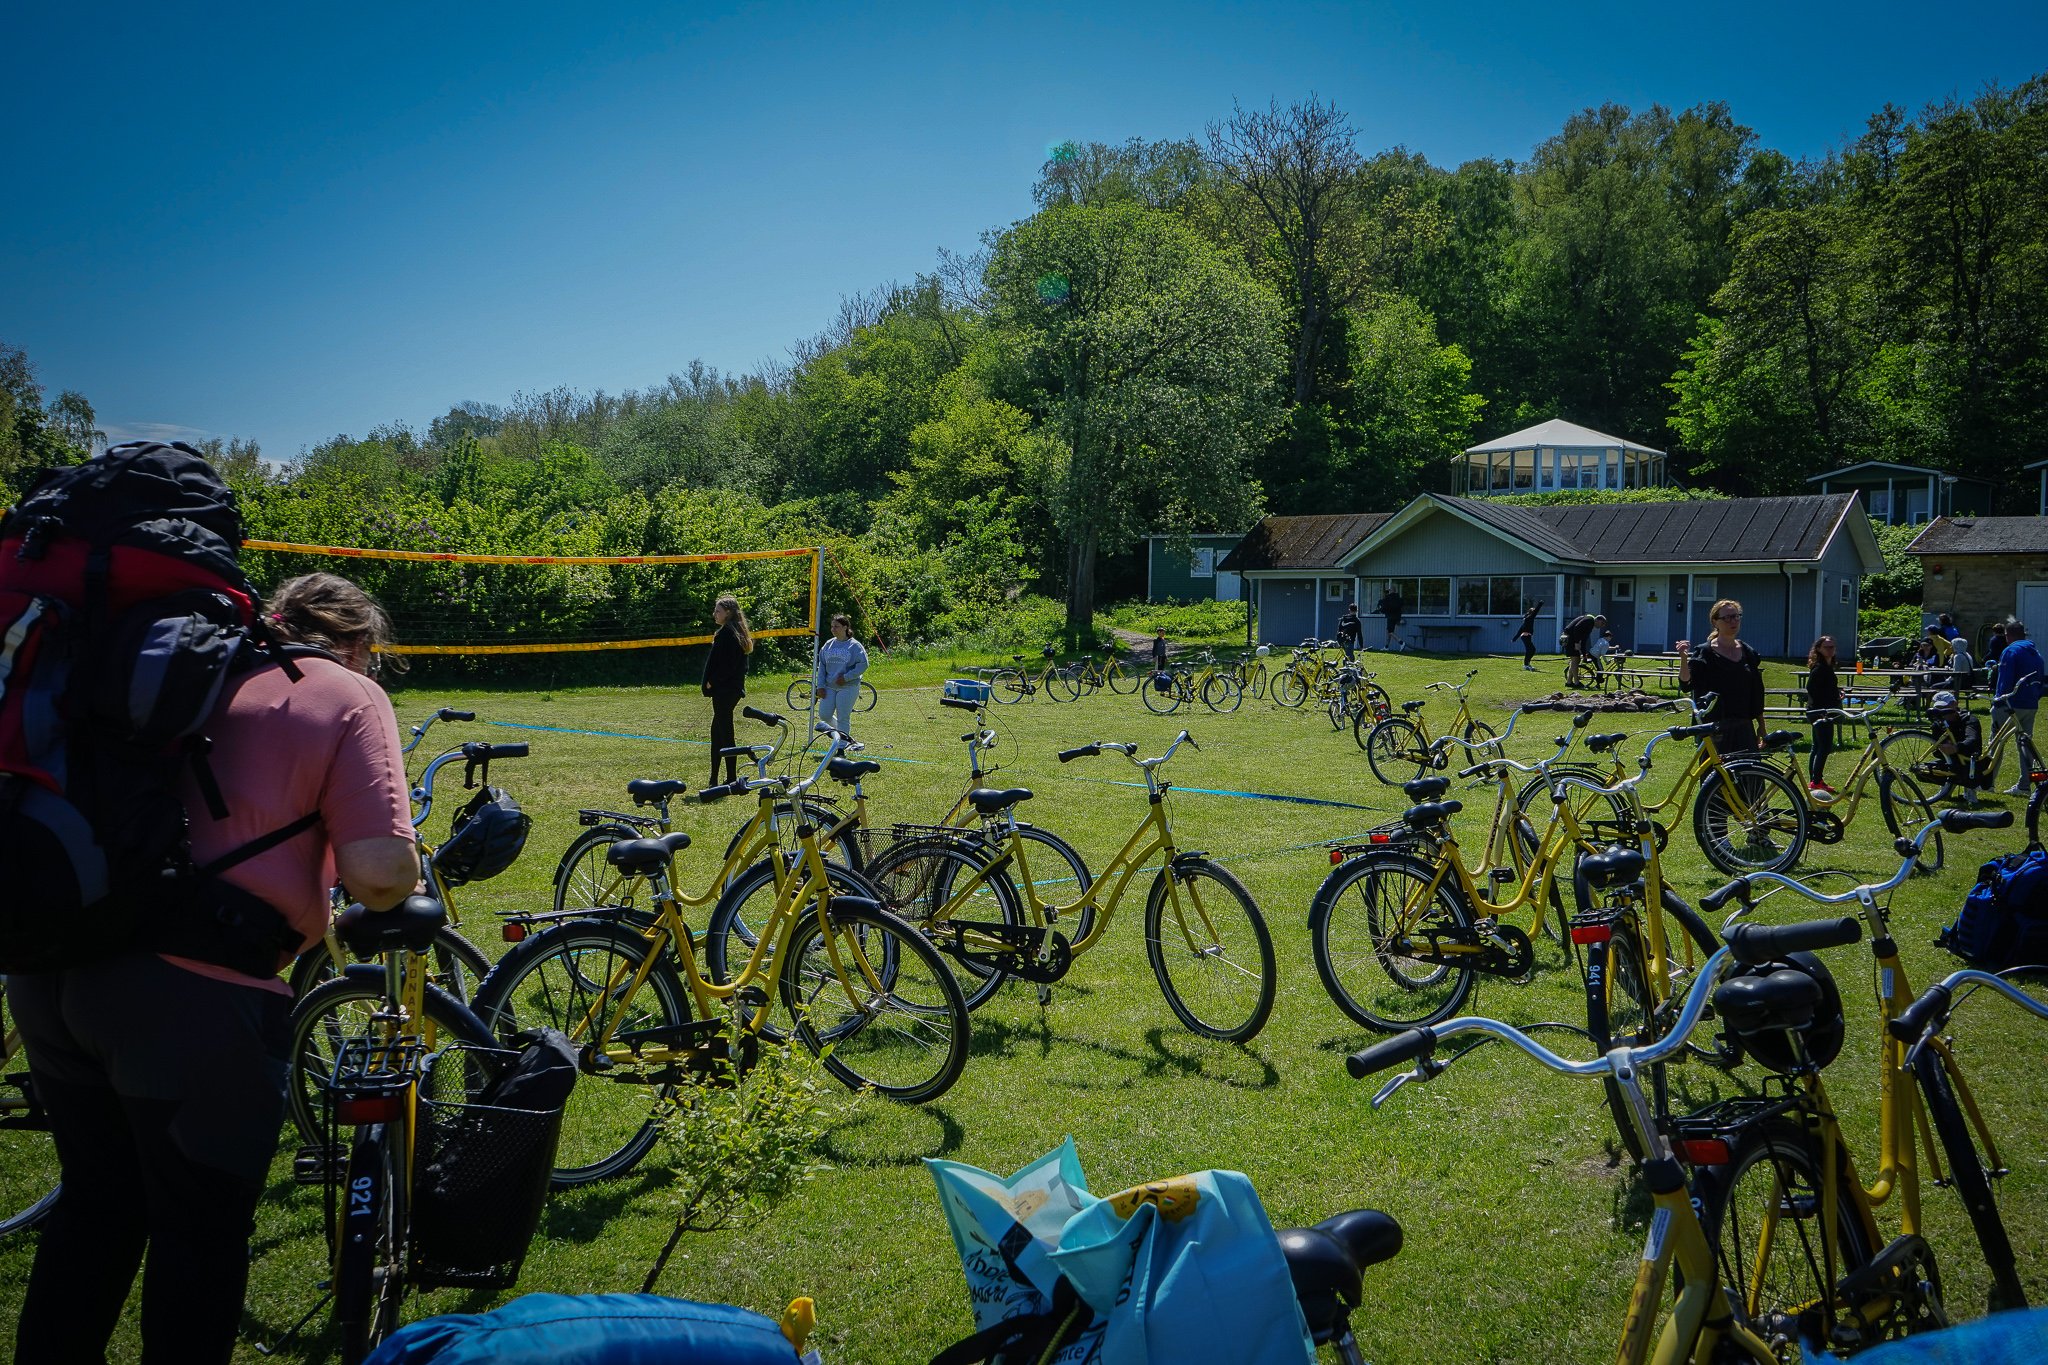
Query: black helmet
point(1762, 1010)
point(484, 839)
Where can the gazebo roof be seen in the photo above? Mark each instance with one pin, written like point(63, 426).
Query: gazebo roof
point(1558, 433)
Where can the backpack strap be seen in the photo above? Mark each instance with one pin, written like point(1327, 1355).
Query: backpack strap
point(1028, 1339)
point(218, 922)
point(258, 846)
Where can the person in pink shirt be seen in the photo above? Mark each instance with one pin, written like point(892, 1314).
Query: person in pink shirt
point(163, 1074)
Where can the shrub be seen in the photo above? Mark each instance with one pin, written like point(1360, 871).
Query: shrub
point(1198, 622)
point(1876, 622)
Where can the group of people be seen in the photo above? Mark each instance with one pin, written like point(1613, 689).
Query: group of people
point(835, 680)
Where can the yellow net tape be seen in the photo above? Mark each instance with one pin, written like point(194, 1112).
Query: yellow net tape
point(791, 631)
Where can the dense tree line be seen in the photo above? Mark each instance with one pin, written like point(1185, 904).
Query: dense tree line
point(1267, 317)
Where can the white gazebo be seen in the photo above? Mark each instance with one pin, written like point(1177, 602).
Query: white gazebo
point(1557, 455)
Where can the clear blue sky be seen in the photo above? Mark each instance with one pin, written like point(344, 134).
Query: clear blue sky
point(297, 220)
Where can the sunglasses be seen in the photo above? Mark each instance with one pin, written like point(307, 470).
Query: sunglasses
point(1729, 616)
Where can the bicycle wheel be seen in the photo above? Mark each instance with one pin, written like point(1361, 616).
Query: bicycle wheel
point(1395, 752)
point(1008, 686)
point(370, 1263)
point(28, 1154)
point(1762, 1215)
point(1163, 702)
point(867, 698)
point(1122, 680)
point(459, 966)
point(1061, 684)
point(1368, 920)
point(1911, 750)
point(1209, 948)
point(876, 1002)
point(928, 881)
point(1290, 688)
point(1758, 826)
point(1254, 682)
point(574, 978)
point(839, 845)
point(1377, 703)
point(584, 880)
point(1907, 807)
point(1063, 881)
point(1223, 694)
point(1619, 1012)
point(797, 696)
point(743, 909)
point(346, 1007)
point(1966, 1172)
point(1478, 732)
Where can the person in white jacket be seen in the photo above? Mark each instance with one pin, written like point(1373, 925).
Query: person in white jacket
point(841, 661)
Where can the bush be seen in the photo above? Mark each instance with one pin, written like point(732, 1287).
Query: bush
point(1193, 622)
point(1876, 622)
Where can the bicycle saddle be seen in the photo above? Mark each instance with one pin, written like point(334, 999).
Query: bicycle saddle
point(1784, 999)
point(410, 925)
point(1431, 813)
point(647, 790)
point(851, 770)
point(1616, 867)
point(1413, 705)
point(646, 856)
point(988, 800)
point(1425, 788)
point(1327, 1264)
point(1778, 739)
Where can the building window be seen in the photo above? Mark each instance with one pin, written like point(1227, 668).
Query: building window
point(1622, 589)
point(1203, 564)
point(1419, 596)
point(1848, 584)
point(1504, 595)
point(1335, 588)
point(1537, 590)
point(1703, 590)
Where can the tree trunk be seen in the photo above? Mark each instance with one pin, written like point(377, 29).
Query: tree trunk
point(1080, 589)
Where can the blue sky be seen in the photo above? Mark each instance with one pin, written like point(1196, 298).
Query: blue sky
point(289, 221)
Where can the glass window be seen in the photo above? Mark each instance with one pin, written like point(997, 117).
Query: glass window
point(1525, 469)
point(1622, 589)
point(1846, 585)
point(1432, 596)
point(1535, 590)
point(1507, 596)
point(1338, 590)
point(1472, 596)
point(1203, 564)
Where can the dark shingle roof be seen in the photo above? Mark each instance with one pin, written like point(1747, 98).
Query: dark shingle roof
point(1982, 536)
point(1529, 525)
point(1315, 542)
point(1721, 529)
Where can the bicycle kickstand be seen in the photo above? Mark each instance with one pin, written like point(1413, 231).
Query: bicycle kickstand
point(296, 1328)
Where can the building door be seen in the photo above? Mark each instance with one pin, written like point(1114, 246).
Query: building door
point(1652, 613)
point(1287, 610)
point(2032, 607)
point(1590, 596)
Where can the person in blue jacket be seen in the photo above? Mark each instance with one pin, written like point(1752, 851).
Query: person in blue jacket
point(2020, 670)
point(841, 661)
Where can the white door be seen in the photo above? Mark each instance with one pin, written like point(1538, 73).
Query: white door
point(1653, 615)
point(1590, 595)
point(2032, 607)
point(1229, 587)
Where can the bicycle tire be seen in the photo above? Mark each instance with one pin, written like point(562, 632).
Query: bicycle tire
point(1254, 682)
point(797, 696)
point(1478, 732)
point(1061, 684)
point(1008, 686)
point(1906, 807)
point(1377, 702)
point(1971, 1181)
point(1222, 694)
point(1215, 981)
point(459, 966)
point(1791, 1162)
point(917, 880)
point(1619, 1009)
point(1122, 680)
point(919, 1011)
point(1725, 839)
point(585, 881)
point(29, 1169)
point(554, 980)
point(1357, 910)
point(313, 1023)
point(867, 698)
point(1910, 749)
point(729, 936)
point(1163, 703)
point(2035, 798)
point(1075, 883)
point(1395, 752)
point(370, 1264)
point(843, 847)
point(1290, 689)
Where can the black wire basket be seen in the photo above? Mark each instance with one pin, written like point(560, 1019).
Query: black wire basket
point(481, 1174)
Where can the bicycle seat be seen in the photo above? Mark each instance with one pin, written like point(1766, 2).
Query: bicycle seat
point(1600, 744)
point(1431, 813)
point(1784, 999)
point(646, 857)
point(1328, 1261)
point(851, 770)
point(1425, 788)
point(1778, 739)
point(410, 925)
point(1413, 705)
point(647, 790)
point(1617, 866)
point(988, 800)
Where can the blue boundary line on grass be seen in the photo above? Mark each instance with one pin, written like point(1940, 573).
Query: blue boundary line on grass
point(656, 739)
point(1249, 796)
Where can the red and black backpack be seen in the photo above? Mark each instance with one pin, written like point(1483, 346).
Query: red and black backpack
point(123, 613)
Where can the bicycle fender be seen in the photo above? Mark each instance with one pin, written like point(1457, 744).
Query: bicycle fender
point(1183, 861)
point(372, 973)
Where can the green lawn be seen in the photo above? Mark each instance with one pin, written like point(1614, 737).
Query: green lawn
point(1522, 1228)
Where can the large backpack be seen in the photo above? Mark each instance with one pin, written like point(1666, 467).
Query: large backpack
point(2004, 919)
point(123, 613)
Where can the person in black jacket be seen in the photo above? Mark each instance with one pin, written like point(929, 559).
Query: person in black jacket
point(1823, 693)
point(1526, 633)
point(1959, 739)
point(1731, 670)
point(1350, 631)
point(1393, 608)
point(725, 678)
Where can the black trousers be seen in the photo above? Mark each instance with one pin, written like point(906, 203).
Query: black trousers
point(1823, 747)
point(723, 737)
point(165, 1090)
point(1528, 649)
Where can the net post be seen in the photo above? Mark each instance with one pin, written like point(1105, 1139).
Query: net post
point(817, 634)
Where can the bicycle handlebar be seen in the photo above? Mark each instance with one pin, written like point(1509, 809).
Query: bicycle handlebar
point(765, 717)
point(958, 704)
point(1927, 1015)
point(450, 713)
point(1950, 821)
point(1754, 944)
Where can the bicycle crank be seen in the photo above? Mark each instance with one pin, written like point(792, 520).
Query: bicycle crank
point(676, 1054)
point(1824, 827)
point(1041, 955)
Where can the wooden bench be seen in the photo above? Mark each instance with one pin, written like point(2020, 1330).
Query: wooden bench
point(1460, 637)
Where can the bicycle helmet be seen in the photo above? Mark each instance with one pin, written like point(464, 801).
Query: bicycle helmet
point(484, 839)
point(1762, 1010)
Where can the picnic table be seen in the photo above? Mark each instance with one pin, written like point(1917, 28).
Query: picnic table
point(1460, 637)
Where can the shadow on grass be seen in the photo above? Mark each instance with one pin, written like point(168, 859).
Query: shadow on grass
point(894, 1135)
point(1225, 1064)
point(584, 1216)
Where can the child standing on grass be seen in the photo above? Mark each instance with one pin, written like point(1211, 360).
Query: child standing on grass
point(841, 661)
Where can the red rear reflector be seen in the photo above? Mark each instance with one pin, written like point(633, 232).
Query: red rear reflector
point(375, 1109)
point(1336, 856)
point(1705, 1151)
point(1383, 838)
point(513, 933)
point(1592, 933)
point(2039, 777)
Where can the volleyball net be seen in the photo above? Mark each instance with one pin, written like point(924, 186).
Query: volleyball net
point(448, 603)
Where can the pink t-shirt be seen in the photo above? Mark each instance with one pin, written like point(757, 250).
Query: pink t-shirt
point(282, 750)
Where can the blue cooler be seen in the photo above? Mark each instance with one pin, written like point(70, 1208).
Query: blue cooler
point(967, 689)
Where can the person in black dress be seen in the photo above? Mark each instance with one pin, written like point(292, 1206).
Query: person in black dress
point(1731, 670)
point(1823, 693)
point(725, 678)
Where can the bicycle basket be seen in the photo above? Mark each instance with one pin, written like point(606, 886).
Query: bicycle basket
point(482, 1171)
point(484, 839)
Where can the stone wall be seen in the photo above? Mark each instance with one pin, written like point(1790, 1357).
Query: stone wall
point(1978, 589)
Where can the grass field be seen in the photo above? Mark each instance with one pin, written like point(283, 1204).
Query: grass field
point(1522, 1224)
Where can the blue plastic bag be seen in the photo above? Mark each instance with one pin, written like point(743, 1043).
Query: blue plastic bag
point(2019, 1338)
point(592, 1329)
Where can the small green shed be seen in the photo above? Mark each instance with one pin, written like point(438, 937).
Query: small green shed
point(1187, 572)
